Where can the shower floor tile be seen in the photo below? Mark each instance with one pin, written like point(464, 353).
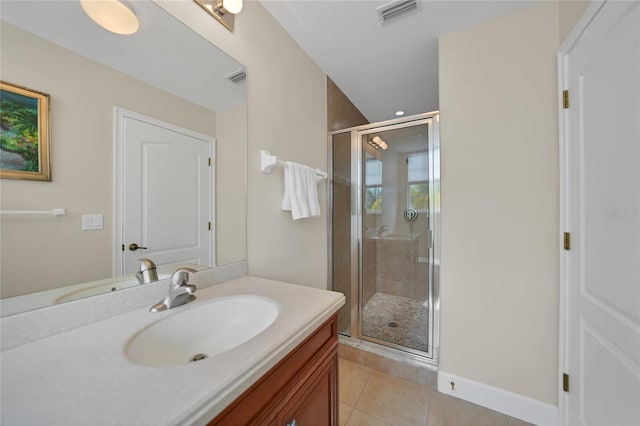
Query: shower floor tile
point(396, 319)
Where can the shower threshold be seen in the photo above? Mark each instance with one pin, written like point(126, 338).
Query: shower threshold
point(395, 362)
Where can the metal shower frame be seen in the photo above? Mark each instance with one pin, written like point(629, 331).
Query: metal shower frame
point(432, 119)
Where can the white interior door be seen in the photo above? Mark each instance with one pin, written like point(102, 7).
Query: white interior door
point(166, 192)
point(603, 211)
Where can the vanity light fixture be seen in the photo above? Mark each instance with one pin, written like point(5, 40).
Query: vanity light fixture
point(112, 15)
point(223, 10)
point(232, 6)
point(399, 113)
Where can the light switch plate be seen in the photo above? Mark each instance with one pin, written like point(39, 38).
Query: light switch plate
point(91, 222)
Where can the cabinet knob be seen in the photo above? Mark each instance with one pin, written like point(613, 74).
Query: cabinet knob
point(292, 423)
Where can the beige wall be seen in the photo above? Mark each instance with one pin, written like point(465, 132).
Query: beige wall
point(569, 13)
point(231, 181)
point(40, 253)
point(287, 116)
point(499, 154)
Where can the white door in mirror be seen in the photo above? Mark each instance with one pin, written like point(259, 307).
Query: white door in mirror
point(167, 192)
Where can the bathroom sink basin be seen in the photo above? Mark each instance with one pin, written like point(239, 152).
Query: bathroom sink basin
point(203, 331)
point(105, 286)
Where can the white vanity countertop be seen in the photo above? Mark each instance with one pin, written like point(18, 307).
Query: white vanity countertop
point(83, 377)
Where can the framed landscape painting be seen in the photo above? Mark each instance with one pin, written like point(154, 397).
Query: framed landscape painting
point(24, 133)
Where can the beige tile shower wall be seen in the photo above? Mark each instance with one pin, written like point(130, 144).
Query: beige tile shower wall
point(397, 266)
point(369, 269)
point(341, 112)
point(41, 253)
point(402, 262)
point(499, 156)
point(400, 268)
point(287, 116)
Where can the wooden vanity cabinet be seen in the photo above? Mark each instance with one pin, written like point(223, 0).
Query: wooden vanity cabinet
point(301, 390)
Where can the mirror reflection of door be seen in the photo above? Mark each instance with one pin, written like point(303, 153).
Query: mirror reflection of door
point(165, 194)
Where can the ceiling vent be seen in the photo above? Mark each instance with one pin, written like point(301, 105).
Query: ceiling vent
point(237, 77)
point(396, 9)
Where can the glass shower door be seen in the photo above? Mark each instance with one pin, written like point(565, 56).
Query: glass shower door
point(395, 255)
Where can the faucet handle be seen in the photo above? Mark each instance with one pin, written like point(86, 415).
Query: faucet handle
point(181, 276)
point(146, 264)
point(147, 272)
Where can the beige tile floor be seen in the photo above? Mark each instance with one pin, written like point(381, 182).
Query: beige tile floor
point(370, 397)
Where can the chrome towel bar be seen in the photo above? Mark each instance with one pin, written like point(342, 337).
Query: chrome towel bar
point(54, 212)
point(268, 161)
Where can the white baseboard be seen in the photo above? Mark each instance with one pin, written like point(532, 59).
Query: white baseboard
point(509, 403)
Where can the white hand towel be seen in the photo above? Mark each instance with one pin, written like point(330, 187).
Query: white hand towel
point(300, 191)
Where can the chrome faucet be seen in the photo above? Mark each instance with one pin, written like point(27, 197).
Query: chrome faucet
point(180, 291)
point(382, 230)
point(147, 273)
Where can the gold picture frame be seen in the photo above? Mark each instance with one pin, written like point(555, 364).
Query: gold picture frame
point(24, 133)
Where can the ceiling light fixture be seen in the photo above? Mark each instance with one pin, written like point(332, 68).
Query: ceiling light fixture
point(223, 10)
point(378, 143)
point(112, 15)
point(399, 113)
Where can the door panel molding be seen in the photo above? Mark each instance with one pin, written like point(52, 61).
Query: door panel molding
point(576, 293)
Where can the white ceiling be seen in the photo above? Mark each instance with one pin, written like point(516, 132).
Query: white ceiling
point(382, 68)
point(155, 54)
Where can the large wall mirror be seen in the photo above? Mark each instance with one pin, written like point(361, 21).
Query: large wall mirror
point(164, 71)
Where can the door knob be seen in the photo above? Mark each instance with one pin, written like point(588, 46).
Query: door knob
point(134, 247)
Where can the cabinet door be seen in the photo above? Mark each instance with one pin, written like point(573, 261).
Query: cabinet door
point(316, 404)
point(302, 387)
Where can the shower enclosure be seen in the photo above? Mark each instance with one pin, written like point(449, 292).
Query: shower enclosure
point(384, 244)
